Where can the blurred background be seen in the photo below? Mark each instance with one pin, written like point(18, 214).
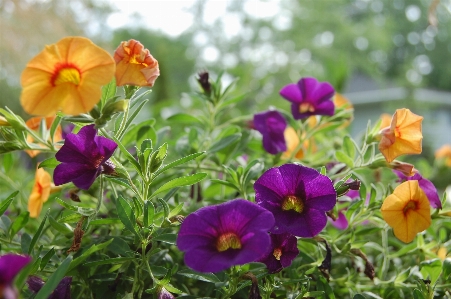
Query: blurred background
point(381, 54)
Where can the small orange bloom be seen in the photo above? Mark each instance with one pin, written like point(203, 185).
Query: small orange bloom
point(403, 136)
point(66, 76)
point(407, 211)
point(341, 101)
point(444, 153)
point(40, 192)
point(385, 120)
point(33, 123)
point(135, 65)
point(292, 141)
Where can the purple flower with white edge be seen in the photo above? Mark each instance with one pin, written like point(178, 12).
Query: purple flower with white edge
point(426, 185)
point(284, 250)
point(309, 97)
point(271, 124)
point(214, 238)
point(62, 291)
point(164, 294)
point(84, 157)
point(10, 266)
point(298, 197)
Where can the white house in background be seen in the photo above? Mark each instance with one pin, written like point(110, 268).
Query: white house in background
point(370, 101)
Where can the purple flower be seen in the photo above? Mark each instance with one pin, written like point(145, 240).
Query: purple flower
point(425, 185)
point(309, 97)
point(62, 291)
point(271, 124)
point(284, 250)
point(164, 294)
point(298, 197)
point(10, 266)
point(84, 157)
point(217, 237)
point(341, 222)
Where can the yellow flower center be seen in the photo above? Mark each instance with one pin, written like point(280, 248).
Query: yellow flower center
point(228, 241)
point(66, 74)
point(397, 132)
point(306, 107)
point(411, 205)
point(292, 202)
point(277, 253)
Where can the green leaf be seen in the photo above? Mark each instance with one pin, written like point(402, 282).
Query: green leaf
point(178, 162)
point(314, 294)
point(19, 222)
point(128, 156)
point(108, 91)
point(208, 277)
point(87, 254)
point(126, 215)
point(56, 122)
point(184, 118)
point(54, 279)
point(224, 142)
point(46, 258)
point(86, 211)
point(119, 247)
point(109, 261)
point(49, 163)
point(25, 242)
point(165, 206)
point(7, 162)
point(167, 238)
point(344, 158)
point(5, 203)
point(225, 183)
point(105, 221)
point(60, 227)
point(182, 181)
point(358, 296)
point(431, 268)
point(349, 147)
point(66, 205)
point(149, 213)
point(38, 233)
point(446, 268)
point(175, 211)
point(133, 135)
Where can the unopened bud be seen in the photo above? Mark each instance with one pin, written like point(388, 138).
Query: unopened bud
point(3, 122)
point(204, 82)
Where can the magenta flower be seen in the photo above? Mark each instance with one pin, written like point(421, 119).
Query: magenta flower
point(298, 197)
point(271, 124)
point(84, 157)
point(10, 266)
point(284, 249)
point(309, 97)
point(162, 293)
point(426, 185)
point(62, 291)
point(217, 237)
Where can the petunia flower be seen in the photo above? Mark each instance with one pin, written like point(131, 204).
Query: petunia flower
point(42, 189)
point(217, 237)
point(298, 196)
point(135, 65)
point(403, 136)
point(283, 251)
point(426, 185)
point(271, 124)
point(162, 293)
point(34, 123)
point(309, 97)
point(385, 120)
point(444, 153)
point(84, 157)
point(407, 211)
point(62, 291)
point(66, 76)
point(292, 142)
point(10, 266)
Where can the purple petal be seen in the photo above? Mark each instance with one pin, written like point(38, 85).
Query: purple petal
point(341, 222)
point(315, 92)
point(105, 146)
point(292, 93)
point(34, 283)
point(62, 291)
point(10, 266)
point(431, 193)
point(308, 224)
point(81, 175)
point(271, 125)
point(79, 147)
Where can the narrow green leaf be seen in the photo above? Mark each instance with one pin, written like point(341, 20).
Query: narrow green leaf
point(126, 215)
point(178, 162)
point(7, 161)
point(175, 211)
point(182, 181)
point(184, 118)
point(56, 122)
point(167, 238)
point(60, 227)
point(128, 156)
point(25, 242)
point(5, 203)
point(135, 113)
point(38, 233)
point(46, 258)
point(108, 91)
point(344, 158)
point(49, 163)
point(208, 277)
point(54, 279)
point(149, 213)
point(109, 261)
point(19, 222)
point(225, 183)
point(105, 221)
point(224, 142)
point(165, 206)
point(86, 254)
point(446, 268)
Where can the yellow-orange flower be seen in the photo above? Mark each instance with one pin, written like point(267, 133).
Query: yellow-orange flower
point(385, 120)
point(444, 153)
point(407, 211)
point(40, 192)
point(33, 123)
point(66, 76)
point(403, 136)
point(292, 141)
point(135, 65)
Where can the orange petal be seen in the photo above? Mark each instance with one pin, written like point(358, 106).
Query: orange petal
point(40, 192)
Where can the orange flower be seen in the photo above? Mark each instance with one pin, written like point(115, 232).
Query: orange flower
point(33, 123)
point(403, 136)
point(135, 65)
point(385, 120)
point(444, 153)
point(66, 76)
point(407, 211)
point(292, 141)
point(40, 193)
point(341, 101)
